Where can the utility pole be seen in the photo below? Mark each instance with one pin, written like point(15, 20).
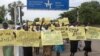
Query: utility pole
point(15, 16)
point(76, 13)
point(20, 5)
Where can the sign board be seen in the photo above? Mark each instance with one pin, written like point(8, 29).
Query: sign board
point(63, 20)
point(77, 33)
point(51, 38)
point(93, 33)
point(6, 37)
point(27, 38)
point(48, 4)
point(64, 31)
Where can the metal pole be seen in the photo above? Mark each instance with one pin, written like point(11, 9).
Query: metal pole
point(15, 16)
point(77, 15)
point(19, 15)
point(16, 52)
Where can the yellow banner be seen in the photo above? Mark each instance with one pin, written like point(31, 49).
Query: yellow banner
point(63, 20)
point(6, 37)
point(93, 33)
point(27, 38)
point(52, 27)
point(30, 23)
point(76, 33)
point(64, 31)
point(51, 38)
point(46, 20)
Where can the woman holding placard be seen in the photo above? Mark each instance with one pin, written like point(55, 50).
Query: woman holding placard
point(87, 47)
point(58, 48)
point(7, 50)
point(27, 50)
point(36, 28)
point(73, 43)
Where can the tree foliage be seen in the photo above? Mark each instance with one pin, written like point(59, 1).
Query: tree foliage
point(36, 20)
point(72, 15)
point(2, 13)
point(11, 10)
point(89, 12)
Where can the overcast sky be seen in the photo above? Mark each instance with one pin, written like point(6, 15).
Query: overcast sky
point(31, 14)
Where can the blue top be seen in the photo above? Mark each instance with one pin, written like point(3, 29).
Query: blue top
point(59, 48)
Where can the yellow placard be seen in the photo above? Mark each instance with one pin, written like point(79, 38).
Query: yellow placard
point(51, 38)
point(60, 21)
point(64, 31)
point(65, 34)
point(27, 38)
point(46, 20)
point(76, 33)
point(6, 37)
point(52, 27)
point(93, 33)
point(30, 23)
point(38, 23)
point(63, 20)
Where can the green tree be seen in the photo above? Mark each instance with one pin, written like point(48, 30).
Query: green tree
point(89, 12)
point(21, 12)
point(11, 10)
point(1, 19)
point(72, 15)
point(2, 13)
point(36, 20)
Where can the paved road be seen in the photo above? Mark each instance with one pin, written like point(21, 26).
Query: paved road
point(95, 50)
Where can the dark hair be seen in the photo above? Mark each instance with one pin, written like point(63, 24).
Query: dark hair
point(26, 27)
point(5, 25)
point(18, 28)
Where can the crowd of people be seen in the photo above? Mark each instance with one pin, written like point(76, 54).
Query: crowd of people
point(47, 50)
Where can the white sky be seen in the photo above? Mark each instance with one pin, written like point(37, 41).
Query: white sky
point(31, 14)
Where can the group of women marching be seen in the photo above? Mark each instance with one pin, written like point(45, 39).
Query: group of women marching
point(47, 50)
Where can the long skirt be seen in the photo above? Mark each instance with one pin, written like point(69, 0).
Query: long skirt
point(87, 46)
point(36, 50)
point(73, 46)
point(27, 51)
point(8, 51)
point(59, 48)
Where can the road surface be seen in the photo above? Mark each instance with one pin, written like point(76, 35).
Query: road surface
point(95, 50)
